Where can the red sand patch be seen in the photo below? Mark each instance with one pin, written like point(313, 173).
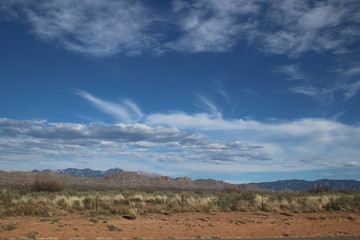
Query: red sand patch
point(185, 225)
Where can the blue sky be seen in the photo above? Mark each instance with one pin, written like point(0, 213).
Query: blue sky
point(241, 91)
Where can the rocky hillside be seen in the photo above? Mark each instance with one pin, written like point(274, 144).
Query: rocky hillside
point(302, 185)
point(124, 180)
point(118, 179)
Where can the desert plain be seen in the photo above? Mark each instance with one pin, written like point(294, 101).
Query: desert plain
point(183, 226)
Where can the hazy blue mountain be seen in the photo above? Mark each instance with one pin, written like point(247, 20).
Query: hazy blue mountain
point(302, 185)
point(87, 172)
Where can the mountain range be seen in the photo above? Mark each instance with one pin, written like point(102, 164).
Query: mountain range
point(295, 185)
point(118, 178)
point(86, 172)
point(123, 180)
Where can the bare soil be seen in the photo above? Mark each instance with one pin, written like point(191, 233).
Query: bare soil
point(183, 226)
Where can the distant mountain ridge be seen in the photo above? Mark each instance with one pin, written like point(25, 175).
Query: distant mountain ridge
point(86, 172)
point(124, 180)
point(118, 178)
point(295, 185)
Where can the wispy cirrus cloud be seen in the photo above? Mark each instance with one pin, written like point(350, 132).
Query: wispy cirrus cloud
point(351, 89)
point(286, 27)
point(351, 71)
point(107, 28)
point(350, 83)
point(97, 28)
point(303, 27)
point(211, 26)
point(209, 106)
point(343, 86)
point(309, 91)
point(292, 71)
point(219, 88)
point(127, 111)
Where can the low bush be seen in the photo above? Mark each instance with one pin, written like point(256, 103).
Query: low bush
point(47, 185)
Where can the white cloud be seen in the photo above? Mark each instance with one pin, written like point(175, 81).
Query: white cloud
point(210, 106)
point(292, 71)
point(352, 89)
point(301, 26)
point(345, 84)
point(251, 145)
point(322, 15)
point(353, 71)
point(297, 128)
point(202, 121)
point(220, 89)
point(250, 140)
point(126, 112)
point(280, 139)
point(326, 96)
point(125, 142)
point(352, 164)
point(289, 27)
point(106, 28)
point(310, 91)
point(98, 28)
point(211, 26)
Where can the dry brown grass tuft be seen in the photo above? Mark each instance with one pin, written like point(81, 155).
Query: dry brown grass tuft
point(132, 214)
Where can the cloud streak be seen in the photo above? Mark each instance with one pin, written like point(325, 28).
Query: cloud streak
point(346, 83)
point(292, 71)
point(126, 112)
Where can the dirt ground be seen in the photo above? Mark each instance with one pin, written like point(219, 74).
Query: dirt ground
point(183, 226)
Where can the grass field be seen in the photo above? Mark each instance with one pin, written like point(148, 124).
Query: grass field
point(35, 202)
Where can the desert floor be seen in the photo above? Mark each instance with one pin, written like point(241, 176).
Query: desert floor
point(183, 226)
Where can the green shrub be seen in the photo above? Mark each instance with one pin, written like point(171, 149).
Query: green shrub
point(77, 205)
point(345, 203)
point(248, 196)
point(88, 203)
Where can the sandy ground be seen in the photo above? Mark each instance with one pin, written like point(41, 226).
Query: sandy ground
point(183, 226)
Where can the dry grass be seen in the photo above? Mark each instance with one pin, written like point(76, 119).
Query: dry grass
point(14, 202)
point(132, 214)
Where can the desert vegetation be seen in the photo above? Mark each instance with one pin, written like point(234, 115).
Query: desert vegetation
point(48, 198)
